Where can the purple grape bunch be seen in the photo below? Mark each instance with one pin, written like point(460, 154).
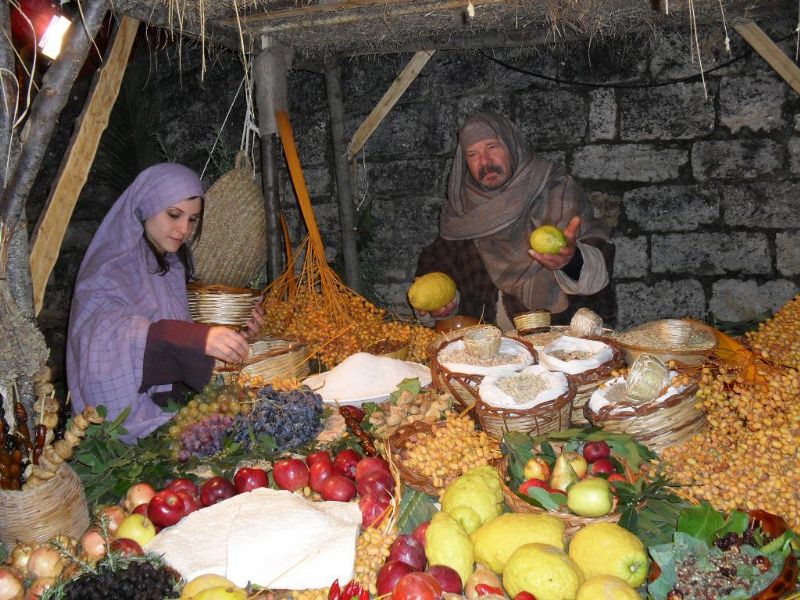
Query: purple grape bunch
point(205, 437)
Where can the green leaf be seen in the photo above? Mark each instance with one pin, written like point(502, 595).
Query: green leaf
point(545, 499)
point(3, 552)
point(121, 418)
point(415, 508)
point(700, 522)
point(172, 406)
point(411, 385)
point(736, 522)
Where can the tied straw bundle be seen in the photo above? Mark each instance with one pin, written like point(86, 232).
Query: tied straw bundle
point(316, 307)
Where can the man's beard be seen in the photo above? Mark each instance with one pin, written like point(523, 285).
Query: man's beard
point(490, 168)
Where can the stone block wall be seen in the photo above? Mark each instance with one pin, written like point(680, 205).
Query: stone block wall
point(699, 182)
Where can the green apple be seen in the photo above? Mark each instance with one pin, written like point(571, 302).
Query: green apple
point(604, 548)
point(137, 528)
point(579, 464)
point(590, 497)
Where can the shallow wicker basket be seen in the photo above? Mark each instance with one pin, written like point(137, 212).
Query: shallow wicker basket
point(532, 321)
point(572, 521)
point(414, 479)
point(547, 417)
point(270, 358)
point(663, 341)
point(657, 424)
point(462, 386)
point(58, 506)
point(220, 304)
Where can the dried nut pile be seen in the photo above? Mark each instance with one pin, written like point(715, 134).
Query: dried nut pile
point(449, 449)
point(321, 594)
point(429, 406)
point(748, 456)
point(372, 550)
point(779, 338)
point(522, 387)
point(466, 358)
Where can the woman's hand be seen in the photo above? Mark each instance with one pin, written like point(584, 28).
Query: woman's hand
point(227, 345)
point(554, 262)
point(256, 321)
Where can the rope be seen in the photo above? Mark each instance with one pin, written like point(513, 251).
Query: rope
point(219, 134)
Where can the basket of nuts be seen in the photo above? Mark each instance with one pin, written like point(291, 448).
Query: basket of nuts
point(429, 457)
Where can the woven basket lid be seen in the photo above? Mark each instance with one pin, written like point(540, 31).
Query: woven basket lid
point(232, 248)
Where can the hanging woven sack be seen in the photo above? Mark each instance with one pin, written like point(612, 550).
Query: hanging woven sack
point(232, 248)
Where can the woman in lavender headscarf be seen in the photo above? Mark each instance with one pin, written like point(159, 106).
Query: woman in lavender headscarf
point(131, 341)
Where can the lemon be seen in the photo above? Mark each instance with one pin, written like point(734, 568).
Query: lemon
point(623, 554)
point(495, 542)
point(432, 291)
point(222, 592)
point(547, 239)
point(606, 587)
point(202, 583)
point(545, 571)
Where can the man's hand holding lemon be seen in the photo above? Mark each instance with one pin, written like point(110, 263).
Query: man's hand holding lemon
point(552, 248)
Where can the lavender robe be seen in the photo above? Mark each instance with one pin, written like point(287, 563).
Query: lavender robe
point(118, 295)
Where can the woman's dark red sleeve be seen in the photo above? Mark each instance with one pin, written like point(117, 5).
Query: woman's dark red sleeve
point(175, 353)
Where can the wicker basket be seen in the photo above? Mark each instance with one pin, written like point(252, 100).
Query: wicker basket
point(233, 246)
point(657, 424)
point(547, 417)
point(462, 386)
point(58, 506)
point(532, 321)
point(414, 479)
point(664, 341)
point(572, 521)
point(270, 358)
point(220, 304)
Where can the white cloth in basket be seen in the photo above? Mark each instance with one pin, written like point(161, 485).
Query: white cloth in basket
point(598, 399)
point(520, 358)
point(492, 395)
point(601, 353)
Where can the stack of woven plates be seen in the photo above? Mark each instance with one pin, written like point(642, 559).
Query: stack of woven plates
point(220, 304)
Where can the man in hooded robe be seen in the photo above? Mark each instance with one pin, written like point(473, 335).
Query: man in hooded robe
point(499, 191)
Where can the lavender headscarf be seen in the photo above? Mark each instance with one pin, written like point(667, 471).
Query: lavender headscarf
point(118, 295)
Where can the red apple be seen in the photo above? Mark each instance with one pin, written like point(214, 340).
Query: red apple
point(137, 494)
point(417, 586)
point(248, 479)
point(113, 516)
point(593, 451)
point(11, 583)
point(617, 477)
point(524, 596)
point(216, 490)
point(447, 577)
point(165, 509)
point(373, 509)
point(36, 590)
point(141, 509)
point(408, 550)
point(93, 545)
point(318, 473)
point(376, 483)
point(420, 531)
point(338, 488)
point(126, 547)
point(370, 464)
point(525, 486)
point(391, 572)
point(290, 474)
point(182, 484)
point(345, 463)
point(537, 468)
point(603, 466)
point(318, 456)
point(190, 502)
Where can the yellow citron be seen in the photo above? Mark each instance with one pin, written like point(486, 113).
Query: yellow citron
point(432, 291)
point(222, 592)
point(606, 587)
point(623, 554)
point(547, 239)
point(202, 583)
point(542, 570)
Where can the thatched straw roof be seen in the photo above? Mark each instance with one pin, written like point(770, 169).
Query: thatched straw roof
point(317, 28)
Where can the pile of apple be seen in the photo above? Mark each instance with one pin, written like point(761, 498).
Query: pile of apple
point(584, 477)
point(406, 574)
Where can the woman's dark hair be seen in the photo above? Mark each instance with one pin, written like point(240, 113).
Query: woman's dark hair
point(184, 254)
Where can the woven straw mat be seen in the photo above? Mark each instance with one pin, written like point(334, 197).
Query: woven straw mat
point(232, 248)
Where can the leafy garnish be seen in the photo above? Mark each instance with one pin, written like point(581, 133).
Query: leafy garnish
point(547, 500)
point(736, 522)
point(701, 522)
point(415, 507)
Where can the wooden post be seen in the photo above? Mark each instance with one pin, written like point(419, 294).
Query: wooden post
point(272, 207)
point(389, 99)
point(344, 192)
point(74, 170)
point(770, 52)
point(47, 106)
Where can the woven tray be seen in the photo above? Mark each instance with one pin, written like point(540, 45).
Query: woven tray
point(547, 417)
point(702, 342)
point(656, 424)
point(572, 521)
point(270, 358)
point(462, 386)
point(39, 514)
point(220, 304)
point(414, 479)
